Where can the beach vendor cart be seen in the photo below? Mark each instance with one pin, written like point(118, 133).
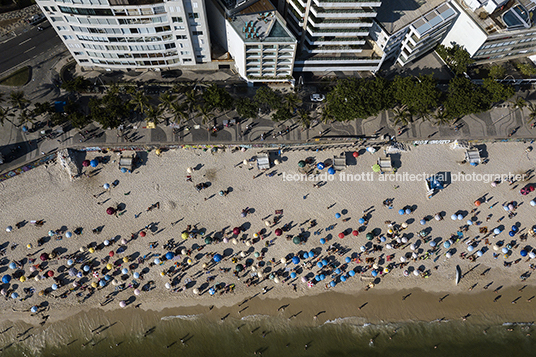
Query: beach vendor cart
point(472, 156)
point(263, 161)
point(433, 186)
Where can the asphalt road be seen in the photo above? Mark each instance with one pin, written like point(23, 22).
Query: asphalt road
point(26, 46)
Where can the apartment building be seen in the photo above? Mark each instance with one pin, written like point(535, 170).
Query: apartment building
point(333, 35)
point(132, 34)
point(256, 37)
point(403, 30)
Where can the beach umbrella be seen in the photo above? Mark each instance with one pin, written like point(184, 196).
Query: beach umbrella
point(423, 222)
point(278, 232)
point(448, 255)
point(412, 246)
point(51, 233)
point(72, 272)
point(319, 264)
point(446, 244)
point(102, 283)
point(196, 291)
point(50, 273)
point(504, 250)
point(123, 170)
point(107, 277)
point(91, 250)
point(32, 269)
point(347, 259)
point(115, 282)
point(406, 273)
point(403, 259)
point(369, 236)
point(95, 274)
point(351, 273)
point(85, 163)
point(68, 234)
point(75, 284)
point(310, 284)
point(157, 261)
point(320, 166)
point(167, 285)
point(383, 239)
point(343, 278)
point(376, 168)
point(454, 217)
point(37, 277)
point(322, 241)
point(136, 275)
point(78, 275)
point(6, 279)
point(70, 262)
point(404, 225)
point(388, 246)
point(506, 208)
point(341, 235)
point(401, 212)
point(311, 254)
point(217, 258)
point(404, 240)
point(532, 203)
point(523, 253)
point(361, 220)
point(211, 291)
point(256, 254)
point(276, 280)
point(532, 255)
point(511, 233)
point(106, 186)
point(322, 277)
point(305, 255)
point(331, 171)
point(267, 223)
point(477, 203)
point(34, 309)
point(337, 215)
point(296, 260)
point(303, 279)
point(437, 217)
point(190, 261)
point(208, 240)
point(324, 262)
point(355, 233)
point(14, 295)
point(479, 253)
point(470, 248)
point(110, 210)
point(12, 266)
point(514, 228)
point(124, 241)
point(54, 287)
point(239, 267)
point(122, 304)
point(332, 283)
point(259, 274)
point(496, 231)
point(93, 163)
point(460, 217)
point(408, 210)
point(293, 275)
point(225, 240)
point(374, 273)
point(301, 163)
point(337, 271)
point(234, 241)
point(184, 235)
point(371, 150)
point(137, 292)
point(125, 259)
point(86, 268)
point(416, 272)
point(111, 253)
point(355, 154)
point(469, 222)
point(124, 271)
point(243, 255)
point(296, 240)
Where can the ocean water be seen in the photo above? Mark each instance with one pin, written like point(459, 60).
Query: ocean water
point(273, 336)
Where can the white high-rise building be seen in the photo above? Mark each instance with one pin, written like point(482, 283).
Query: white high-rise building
point(132, 34)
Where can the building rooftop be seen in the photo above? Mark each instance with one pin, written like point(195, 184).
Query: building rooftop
point(260, 22)
point(394, 15)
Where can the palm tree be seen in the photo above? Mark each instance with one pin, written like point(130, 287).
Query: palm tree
point(326, 117)
point(1, 97)
point(113, 89)
point(3, 116)
point(532, 112)
point(25, 117)
point(206, 114)
point(292, 100)
point(441, 117)
point(140, 101)
point(17, 99)
point(304, 118)
point(190, 102)
point(518, 103)
point(152, 114)
point(166, 100)
point(179, 112)
point(402, 115)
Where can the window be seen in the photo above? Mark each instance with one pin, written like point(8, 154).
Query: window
point(181, 37)
point(178, 28)
point(187, 60)
point(176, 19)
point(197, 33)
point(185, 53)
point(169, 45)
point(84, 60)
point(82, 11)
point(193, 15)
point(67, 37)
point(46, 8)
point(62, 28)
point(55, 19)
point(77, 53)
point(159, 10)
point(53, 8)
point(194, 5)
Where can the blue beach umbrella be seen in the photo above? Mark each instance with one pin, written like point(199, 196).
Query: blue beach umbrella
point(383, 239)
point(479, 253)
point(408, 210)
point(123, 170)
point(454, 217)
point(70, 262)
point(337, 271)
point(320, 166)
point(361, 220)
point(362, 248)
point(374, 273)
point(317, 277)
point(157, 261)
point(311, 254)
point(515, 229)
point(324, 262)
point(34, 309)
point(124, 271)
point(332, 284)
point(331, 171)
point(106, 186)
point(107, 277)
point(12, 266)
point(432, 244)
point(25, 129)
point(6, 279)
point(14, 295)
point(68, 234)
point(322, 241)
point(169, 255)
point(343, 278)
point(446, 244)
point(86, 268)
point(496, 231)
point(523, 253)
point(319, 264)
point(322, 277)
point(217, 258)
point(347, 259)
point(54, 287)
point(305, 255)
point(93, 163)
point(470, 248)
point(211, 291)
point(102, 283)
point(401, 212)
point(136, 275)
point(423, 222)
point(351, 273)
point(293, 275)
point(295, 260)
point(337, 215)
point(460, 217)
point(79, 274)
point(504, 250)
point(469, 222)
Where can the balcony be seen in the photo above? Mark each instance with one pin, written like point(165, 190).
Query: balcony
point(338, 23)
point(335, 49)
point(332, 41)
point(341, 13)
point(341, 32)
point(347, 3)
point(298, 7)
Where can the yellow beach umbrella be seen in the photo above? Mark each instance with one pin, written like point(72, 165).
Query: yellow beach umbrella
point(92, 250)
point(93, 284)
point(184, 235)
point(109, 266)
point(189, 261)
point(125, 259)
point(22, 279)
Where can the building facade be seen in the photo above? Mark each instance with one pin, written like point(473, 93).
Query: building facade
point(132, 34)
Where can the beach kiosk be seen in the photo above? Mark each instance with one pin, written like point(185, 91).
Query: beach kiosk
point(263, 161)
point(385, 164)
point(339, 162)
point(126, 163)
point(432, 186)
point(472, 156)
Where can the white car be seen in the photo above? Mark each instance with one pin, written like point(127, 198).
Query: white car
point(317, 97)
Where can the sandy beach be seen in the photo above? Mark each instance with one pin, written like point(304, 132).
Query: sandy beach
point(489, 290)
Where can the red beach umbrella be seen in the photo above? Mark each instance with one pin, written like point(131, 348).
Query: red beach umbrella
point(355, 154)
point(111, 254)
point(355, 232)
point(85, 163)
point(477, 203)
point(236, 231)
point(341, 235)
point(110, 210)
point(50, 273)
point(142, 234)
point(278, 232)
point(44, 257)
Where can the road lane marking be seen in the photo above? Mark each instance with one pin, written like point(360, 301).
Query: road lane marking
point(29, 49)
point(24, 41)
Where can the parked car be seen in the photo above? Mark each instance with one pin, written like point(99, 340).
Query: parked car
point(317, 97)
point(35, 19)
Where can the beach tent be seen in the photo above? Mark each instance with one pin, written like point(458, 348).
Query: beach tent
point(263, 162)
point(472, 156)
